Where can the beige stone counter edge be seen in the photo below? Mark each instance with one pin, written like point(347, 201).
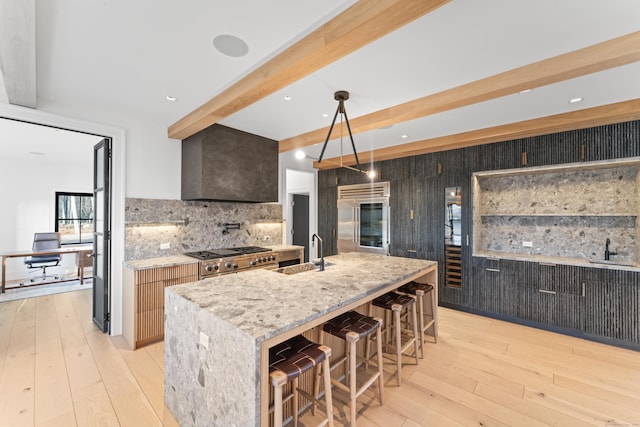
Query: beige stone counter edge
point(579, 262)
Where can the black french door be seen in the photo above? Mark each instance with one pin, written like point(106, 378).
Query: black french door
point(102, 233)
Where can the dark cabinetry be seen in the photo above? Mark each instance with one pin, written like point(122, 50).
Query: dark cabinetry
point(592, 302)
point(406, 213)
point(550, 294)
point(493, 288)
point(598, 303)
point(612, 305)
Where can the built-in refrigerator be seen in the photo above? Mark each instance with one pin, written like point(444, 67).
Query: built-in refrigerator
point(363, 218)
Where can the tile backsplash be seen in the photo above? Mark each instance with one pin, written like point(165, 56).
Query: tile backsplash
point(186, 226)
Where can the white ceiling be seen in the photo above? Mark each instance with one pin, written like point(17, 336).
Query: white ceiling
point(127, 56)
point(26, 141)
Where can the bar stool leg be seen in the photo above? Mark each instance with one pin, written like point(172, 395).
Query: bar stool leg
point(434, 307)
point(420, 298)
point(278, 380)
point(328, 398)
point(398, 336)
point(380, 364)
point(415, 331)
point(352, 379)
point(294, 389)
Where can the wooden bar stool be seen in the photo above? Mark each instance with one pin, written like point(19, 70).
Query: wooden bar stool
point(289, 360)
point(397, 304)
point(420, 290)
point(352, 327)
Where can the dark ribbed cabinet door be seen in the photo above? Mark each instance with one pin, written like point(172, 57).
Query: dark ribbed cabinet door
point(328, 216)
point(612, 305)
point(402, 224)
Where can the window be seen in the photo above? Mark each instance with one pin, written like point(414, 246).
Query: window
point(74, 217)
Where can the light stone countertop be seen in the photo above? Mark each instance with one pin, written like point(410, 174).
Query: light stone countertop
point(167, 261)
point(579, 262)
point(170, 261)
point(264, 303)
point(278, 248)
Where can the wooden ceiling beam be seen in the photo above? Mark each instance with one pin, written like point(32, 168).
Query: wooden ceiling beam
point(590, 117)
point(602, 56)
point(18, 51)
point(359, 25)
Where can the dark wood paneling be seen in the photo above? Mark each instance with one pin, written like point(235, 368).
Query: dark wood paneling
point(611, 298)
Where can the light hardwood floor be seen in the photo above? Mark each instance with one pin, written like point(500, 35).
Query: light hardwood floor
point(56, 369)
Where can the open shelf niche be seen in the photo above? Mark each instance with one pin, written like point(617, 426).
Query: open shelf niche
point(561, 211)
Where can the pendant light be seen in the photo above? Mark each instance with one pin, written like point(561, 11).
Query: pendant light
point(341, 96)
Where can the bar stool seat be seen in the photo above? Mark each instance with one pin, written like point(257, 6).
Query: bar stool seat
point(420, 290)
point(352, 327)
point(397, 304)
point(287, 361)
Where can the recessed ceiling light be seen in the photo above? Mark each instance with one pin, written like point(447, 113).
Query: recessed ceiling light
point(325, 115)
point(574, 100)
point(300, 155)
point(526, 91)
point(171, 98)
point(287, 98)
point(404, 136)
point(230, 45)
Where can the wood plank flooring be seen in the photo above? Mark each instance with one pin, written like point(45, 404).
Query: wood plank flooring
point(56, 369)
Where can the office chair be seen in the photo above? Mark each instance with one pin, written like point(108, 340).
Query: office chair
point(44, 242)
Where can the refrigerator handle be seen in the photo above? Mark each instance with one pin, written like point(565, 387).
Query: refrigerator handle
point(388, 227)
point(356, 220)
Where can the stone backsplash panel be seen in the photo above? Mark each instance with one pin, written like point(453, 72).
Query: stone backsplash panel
point(189, 226)
point(582, 192)
point(561, 236)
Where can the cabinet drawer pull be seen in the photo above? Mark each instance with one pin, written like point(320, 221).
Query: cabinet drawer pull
point(584, 290)
point(548, 264)
point(544, 291)
point(496, 270)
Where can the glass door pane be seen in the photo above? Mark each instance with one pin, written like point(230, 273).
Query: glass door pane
point(371, 225)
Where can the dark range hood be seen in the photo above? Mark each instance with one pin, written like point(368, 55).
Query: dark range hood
point(226, 164)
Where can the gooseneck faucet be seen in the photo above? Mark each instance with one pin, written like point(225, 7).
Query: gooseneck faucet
point(607, 252)
point(313, 239)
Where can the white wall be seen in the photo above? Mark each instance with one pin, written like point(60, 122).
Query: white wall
point(153, 161)
point(27, 191)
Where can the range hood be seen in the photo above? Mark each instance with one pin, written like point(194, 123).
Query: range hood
point(226, 164)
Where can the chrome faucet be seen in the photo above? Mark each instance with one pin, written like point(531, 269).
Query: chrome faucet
point(607, 252)
point(313, 239)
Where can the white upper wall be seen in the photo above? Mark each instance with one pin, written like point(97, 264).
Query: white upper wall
point(152, 160)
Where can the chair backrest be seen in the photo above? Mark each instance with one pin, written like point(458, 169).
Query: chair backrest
point(46, 241)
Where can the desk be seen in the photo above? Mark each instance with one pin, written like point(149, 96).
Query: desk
point(82, 250)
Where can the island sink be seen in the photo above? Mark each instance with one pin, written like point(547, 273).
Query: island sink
point(300, 268)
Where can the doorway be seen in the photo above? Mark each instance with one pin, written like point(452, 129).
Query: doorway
point(54, 159)
point(300, 193)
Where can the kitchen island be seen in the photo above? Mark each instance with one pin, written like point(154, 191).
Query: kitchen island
point(218, 331)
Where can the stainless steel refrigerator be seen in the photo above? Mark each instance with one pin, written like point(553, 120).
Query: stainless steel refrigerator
point(363, 218)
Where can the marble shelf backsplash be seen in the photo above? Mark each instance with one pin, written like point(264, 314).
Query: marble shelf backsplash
point(560, 211)
point(189, 226)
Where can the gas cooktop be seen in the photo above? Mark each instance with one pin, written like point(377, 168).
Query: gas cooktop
point(226, 252)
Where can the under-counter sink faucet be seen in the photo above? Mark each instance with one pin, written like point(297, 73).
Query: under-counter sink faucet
point(607, 252)
point(313, 239)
